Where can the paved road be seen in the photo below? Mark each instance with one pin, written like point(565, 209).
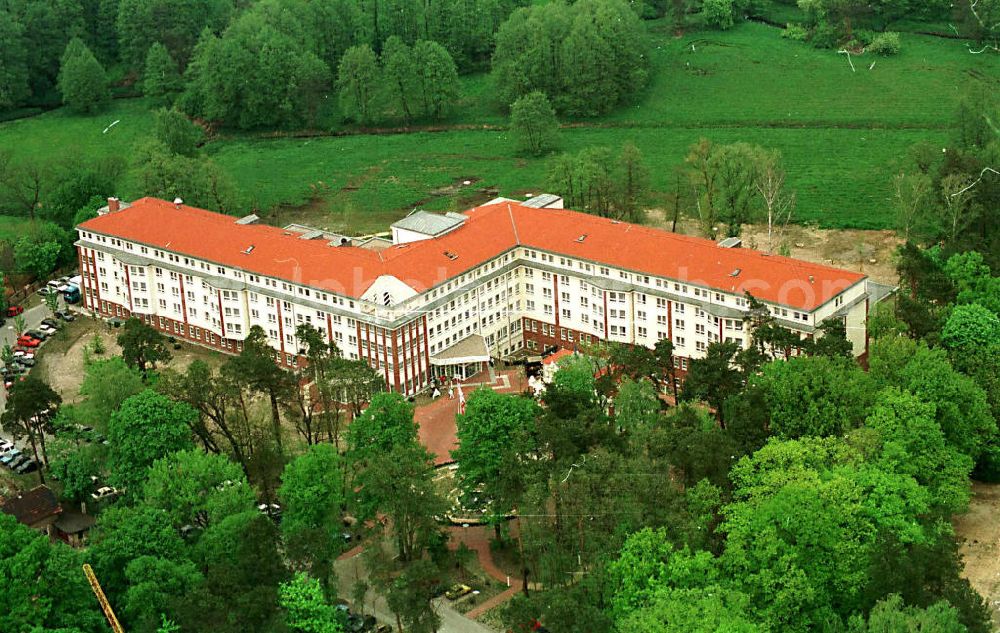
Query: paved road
point(350, 569)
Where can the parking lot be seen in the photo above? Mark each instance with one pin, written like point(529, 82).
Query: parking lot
point(16, 455)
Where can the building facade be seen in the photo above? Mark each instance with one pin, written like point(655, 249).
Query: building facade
point(450, 292)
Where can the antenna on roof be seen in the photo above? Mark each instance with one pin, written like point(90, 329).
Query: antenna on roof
point(736, 272)
point(581, 238)
point(248, 250)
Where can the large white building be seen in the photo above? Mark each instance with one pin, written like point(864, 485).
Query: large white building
point(449, 292)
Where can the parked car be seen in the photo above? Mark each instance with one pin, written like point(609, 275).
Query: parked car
point(6, 446)
point(52, 323)
point(29, 466)
point(104, 492)
point(10, 456)
point(18, 461)
point(272, 510)
point(26, 361)
point(28, 341)
point(456, 591)
point(13, 311)
point(41, 336)
point(66, 315)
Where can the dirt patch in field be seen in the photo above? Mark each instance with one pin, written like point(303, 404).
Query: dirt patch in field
point(980, 530)
point(869, 252)
point(61, 360)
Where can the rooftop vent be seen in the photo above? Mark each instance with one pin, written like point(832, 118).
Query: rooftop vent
point(736, 273)
point(248, 219)
point(248, 250)
point(450, 255)
point(731, 242)
point(581, 238)
point(178, 202)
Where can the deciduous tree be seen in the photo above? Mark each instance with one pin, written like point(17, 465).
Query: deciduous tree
point(534, 124)
point(142, 346)
point(147, 427)
point(312, 499)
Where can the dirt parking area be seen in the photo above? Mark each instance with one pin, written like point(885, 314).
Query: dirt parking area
point(980, 530)
point(61, 359)
point(869, 252)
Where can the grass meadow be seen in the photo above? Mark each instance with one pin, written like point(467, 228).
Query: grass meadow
point(843, 134)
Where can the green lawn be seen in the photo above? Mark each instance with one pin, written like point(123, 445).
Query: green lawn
point(842, 133)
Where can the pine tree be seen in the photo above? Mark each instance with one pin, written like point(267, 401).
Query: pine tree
point(161, 81)
point(82, 80)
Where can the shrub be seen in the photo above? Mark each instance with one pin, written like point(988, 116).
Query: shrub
point(719, 13)
point(865, 36)
point(97, 345)
point(885, 43)
point(795, 32)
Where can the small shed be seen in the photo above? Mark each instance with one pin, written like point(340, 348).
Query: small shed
point(73, 527)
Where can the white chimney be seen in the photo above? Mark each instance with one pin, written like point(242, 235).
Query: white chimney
point(113, 204)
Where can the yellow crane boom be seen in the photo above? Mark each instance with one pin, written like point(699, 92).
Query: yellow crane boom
point(102, 599)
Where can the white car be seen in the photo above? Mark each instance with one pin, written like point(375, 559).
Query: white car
point(23, 354)
point(104, 492)
point(6, 446)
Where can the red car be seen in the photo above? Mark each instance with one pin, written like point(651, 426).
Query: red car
point(13, 311)
point(27, 341)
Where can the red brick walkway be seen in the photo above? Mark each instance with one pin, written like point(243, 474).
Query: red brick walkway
point(495, 601)
point(437, 419)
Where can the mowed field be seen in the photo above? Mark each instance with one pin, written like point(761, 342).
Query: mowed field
point(843, 134)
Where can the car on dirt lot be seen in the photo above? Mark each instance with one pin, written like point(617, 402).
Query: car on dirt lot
point(28, 341)
point(66, 315)
point(6, 446)
point(13, 311)
point(40, 335)
point(52, 323)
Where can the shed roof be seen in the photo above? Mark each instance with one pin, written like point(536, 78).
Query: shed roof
point(33, 506)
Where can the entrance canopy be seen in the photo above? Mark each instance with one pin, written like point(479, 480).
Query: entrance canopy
point(471, 349)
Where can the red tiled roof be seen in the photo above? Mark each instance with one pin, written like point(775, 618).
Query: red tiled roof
point(489, 231)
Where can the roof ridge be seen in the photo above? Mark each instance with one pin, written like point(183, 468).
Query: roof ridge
point(513, 224)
